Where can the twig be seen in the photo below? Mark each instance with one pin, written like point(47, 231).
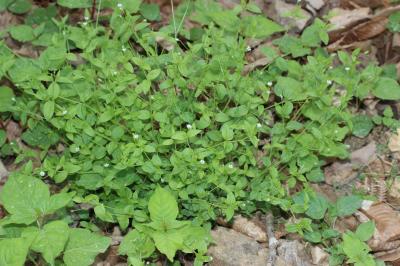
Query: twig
point(272, 241)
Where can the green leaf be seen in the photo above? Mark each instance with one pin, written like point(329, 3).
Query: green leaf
point(106, 116)
point(20, 6)
point(253, 8)
point(365, 230)
point(153, 74)
point(136, 244)
point(226, 19)
point(83, 246)
point(357, 251)
point(13, 251)
point(75, 3)
point(132, 6)
point(40, 136)
point(4, 4)
point(362, 125)
point(317, 207)
point(48, 110)
point(394, 22)
point(3, 137)
point(58, 201)
point(290, 89)
point(150, 12)
point(348, 205)
point(163, 206)
point(22, 33)
point(51, 240)
point(168, 242)
point(259, 27)
point(227, 132)
point(387, 89)
point(6, 98)
point(25, 198)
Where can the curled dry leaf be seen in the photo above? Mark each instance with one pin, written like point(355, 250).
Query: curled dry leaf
point(387, 233)
point(249, 228)
point(357, 25)
point(343, 19)
point(363, 3)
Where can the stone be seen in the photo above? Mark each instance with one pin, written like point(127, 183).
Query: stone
point(319, 256)
point(292, 253)
point(3, 171)
point(235, 249)
point(316, 4)
point(284, 15)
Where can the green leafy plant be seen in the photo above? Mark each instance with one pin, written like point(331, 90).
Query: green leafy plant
point(112, 114)
point(28, 202)
point(165, 233)
point(353, 247)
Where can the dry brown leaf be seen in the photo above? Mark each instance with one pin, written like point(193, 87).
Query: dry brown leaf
point(387, 233)
point(364, 3)
point(249, 228)
point(339, 173)
point(343, 19)
point(365, 155)
point(356, 25)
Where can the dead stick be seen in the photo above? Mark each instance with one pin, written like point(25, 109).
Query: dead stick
point(272, 241)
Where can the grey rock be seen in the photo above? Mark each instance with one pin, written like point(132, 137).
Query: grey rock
point(284, 15)
point(235, 249)
point(292, 253)
point(3, 171)
point(316, 4)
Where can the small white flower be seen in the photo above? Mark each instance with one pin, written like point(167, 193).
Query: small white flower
point(211, 258)
point(248, 49)
point(120, 5)
point(84, 23)
point(123, 49)
point(189, 126)
point(13, 99)
point(106, 165)
point(86, 18)
point(330, 67)
point(42, 173)
point(329, 82)
point(270, 83)
point(177, 39)
point(77, 149)
point(347, 68)
point(135, 136)
point(114, 73)
point(230, 166)
point(259, 125)
point(64, 112)
point(202, 161)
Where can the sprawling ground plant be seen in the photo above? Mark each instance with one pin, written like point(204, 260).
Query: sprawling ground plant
point(164, 131)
